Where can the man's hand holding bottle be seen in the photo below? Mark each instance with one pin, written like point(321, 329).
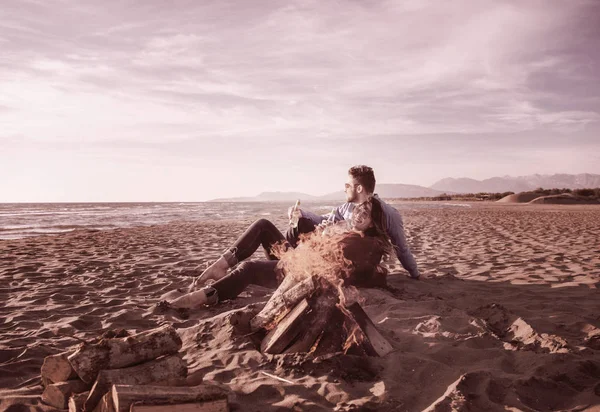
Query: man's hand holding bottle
point(294, 214)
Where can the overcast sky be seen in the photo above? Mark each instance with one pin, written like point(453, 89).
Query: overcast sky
point(191, 100)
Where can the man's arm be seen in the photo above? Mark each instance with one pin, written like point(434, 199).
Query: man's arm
point(316, 219)
point(395, 230)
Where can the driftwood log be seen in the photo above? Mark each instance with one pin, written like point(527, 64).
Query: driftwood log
point(115, 353)
point(77, 400)
point(170, 371)
point(124, 396)
point(57, 368)
point(282, 302)
point(57, 394)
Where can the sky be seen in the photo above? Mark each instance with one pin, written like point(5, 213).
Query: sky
point(147, 100)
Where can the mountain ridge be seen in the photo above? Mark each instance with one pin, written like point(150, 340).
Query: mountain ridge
point(448, 185)
point(519, 183)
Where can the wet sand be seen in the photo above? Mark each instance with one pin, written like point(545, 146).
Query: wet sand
point(507, 313)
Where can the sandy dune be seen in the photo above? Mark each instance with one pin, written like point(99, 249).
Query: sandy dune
point(508, 314)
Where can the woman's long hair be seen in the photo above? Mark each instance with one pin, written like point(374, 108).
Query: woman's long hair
point(378, 229)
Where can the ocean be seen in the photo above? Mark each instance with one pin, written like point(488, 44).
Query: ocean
point(19, 220)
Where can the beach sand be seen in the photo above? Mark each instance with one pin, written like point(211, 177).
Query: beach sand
point(507, 313)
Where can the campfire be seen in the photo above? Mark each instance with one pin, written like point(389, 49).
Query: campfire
point(316, 316)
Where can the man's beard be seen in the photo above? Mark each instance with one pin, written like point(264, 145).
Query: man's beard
point(351, 198)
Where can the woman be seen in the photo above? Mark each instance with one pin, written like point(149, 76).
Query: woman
point(352, 253)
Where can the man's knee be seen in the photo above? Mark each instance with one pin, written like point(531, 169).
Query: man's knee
point(262, 222)
point(246, 266)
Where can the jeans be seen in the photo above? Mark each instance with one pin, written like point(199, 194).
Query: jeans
point(263, 232)
point(263, 273)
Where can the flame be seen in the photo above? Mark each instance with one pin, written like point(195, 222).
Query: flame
point(315, 255)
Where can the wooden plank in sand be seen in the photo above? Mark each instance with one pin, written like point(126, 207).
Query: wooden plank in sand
point(77, 400)
point(57, 394)
point(286, 330)
point(56, 368)
point(170, 371)
point(153, 398)
point(208, 406)
point(282, 302)
point(116, 353)
point(377, 345)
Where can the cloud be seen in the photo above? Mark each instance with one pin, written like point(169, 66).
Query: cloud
point(174, 79)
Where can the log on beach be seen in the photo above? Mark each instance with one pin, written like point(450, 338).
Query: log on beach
point(57, 368)
point(77, 400)
point(58, 394)
point(282, 302)
point(124, 396)
point(115, 353)
point(170, 371)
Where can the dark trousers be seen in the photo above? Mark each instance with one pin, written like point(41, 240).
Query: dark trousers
point(263, 273)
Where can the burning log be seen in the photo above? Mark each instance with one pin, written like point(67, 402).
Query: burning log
point(331, 340)
point(56, 368)
point(321, 313)
point(57, 394)
point(165, 398)
point(170, 370)
point(115, 353)
point(77, 400)
point(375, 343)
point(286, 330)
point(282, 302)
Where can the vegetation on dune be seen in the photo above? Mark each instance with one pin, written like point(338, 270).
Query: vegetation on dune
point(590, 194)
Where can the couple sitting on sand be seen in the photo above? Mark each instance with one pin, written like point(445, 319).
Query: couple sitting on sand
point(349, 243)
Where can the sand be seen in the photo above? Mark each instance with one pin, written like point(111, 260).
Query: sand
point(507, 314)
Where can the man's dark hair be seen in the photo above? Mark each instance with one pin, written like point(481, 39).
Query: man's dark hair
point(364, 176)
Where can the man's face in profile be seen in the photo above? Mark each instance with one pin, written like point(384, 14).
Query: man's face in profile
point(350, 189)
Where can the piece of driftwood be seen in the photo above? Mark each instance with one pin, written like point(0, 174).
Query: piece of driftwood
point(220, 405)
point(282, 302)
point(286, 330)
point(76, 401)
point(57, 368)
point(124, 396)
point(317, 321)
point(115, 353)
point(376, 344)
point(57, 394)
point(170, 371)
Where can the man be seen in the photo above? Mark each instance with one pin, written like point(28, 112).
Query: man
point(359, 187)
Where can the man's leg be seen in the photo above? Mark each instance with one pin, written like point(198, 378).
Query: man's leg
point(304, 226)
point(262, 273)
point(261, 232)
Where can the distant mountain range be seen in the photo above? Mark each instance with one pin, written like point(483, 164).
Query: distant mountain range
point(518, 184)
point(448, 185)
point(384, 190)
